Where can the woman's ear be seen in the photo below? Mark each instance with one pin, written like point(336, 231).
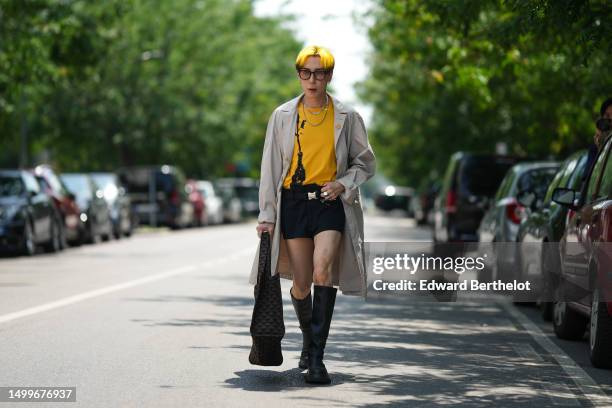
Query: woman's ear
point(330, 75)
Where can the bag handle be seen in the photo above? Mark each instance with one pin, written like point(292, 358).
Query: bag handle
point(264, 254)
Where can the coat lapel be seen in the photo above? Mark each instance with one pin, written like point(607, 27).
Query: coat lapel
point(339, 117)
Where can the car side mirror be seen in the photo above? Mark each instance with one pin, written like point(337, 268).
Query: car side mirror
point(565, 197)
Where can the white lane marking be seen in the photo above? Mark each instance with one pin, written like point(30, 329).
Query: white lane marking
point(527, 352)
point(121, 286)
point(558, 394)
point(586, 384)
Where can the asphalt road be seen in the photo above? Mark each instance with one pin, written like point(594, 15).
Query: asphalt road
point(162, 320)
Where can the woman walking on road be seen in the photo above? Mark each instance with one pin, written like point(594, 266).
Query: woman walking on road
point(316, 155)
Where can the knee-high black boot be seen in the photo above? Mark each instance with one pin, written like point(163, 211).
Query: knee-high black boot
point(322, 310)
point(303, 310)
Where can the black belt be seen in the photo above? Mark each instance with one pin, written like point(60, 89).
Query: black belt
point(307, 192)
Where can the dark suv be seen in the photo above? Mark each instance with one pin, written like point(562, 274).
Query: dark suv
point(469, 183)
point(158, 195)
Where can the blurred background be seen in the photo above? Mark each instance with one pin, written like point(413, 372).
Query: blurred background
point(98, 85)
point(168, 101)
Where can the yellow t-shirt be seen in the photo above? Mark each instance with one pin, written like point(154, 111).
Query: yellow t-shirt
point(318, 150)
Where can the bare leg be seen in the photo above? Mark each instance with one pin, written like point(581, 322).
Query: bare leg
point(301, 254)
point(326, 245)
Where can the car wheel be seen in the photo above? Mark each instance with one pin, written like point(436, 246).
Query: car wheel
point(600, 333)
point(117, 231)
point(28, 247)
point(568, 324)
point(63, 239)
point(55, 243)
point(130, 230)
point(93, 237)
point(109, 232)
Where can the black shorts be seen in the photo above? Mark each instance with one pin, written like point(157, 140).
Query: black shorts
point(303, 218)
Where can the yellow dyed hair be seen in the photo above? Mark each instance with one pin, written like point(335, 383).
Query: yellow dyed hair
point(327, 59)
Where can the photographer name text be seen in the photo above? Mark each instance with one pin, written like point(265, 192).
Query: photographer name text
point(429, 285)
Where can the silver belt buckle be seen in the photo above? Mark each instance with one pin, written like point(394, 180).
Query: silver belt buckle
point(312, 195)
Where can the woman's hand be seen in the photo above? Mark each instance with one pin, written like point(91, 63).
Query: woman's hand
point(333, 190)
point(265, 226)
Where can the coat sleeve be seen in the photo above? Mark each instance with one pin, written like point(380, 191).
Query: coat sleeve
point(361, 160)
point(271, 172)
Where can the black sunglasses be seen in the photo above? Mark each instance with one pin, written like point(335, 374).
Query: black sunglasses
point(319, 74)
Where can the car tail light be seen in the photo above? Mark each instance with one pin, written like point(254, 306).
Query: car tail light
point(174, 197)
point(451, 201)
point(514, 212)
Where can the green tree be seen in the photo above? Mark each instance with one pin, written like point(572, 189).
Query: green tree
point(188, 82)
point(450, 76)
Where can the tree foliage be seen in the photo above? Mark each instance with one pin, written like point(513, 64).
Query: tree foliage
point(464, 75)
point(123, 82)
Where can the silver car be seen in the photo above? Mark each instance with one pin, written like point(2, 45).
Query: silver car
point(213, 202)
point(499, 227)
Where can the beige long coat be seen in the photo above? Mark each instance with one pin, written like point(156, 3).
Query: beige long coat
point(355, 164)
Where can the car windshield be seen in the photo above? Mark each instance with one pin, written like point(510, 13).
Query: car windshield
point(481, 176)
point(78, 185)
point(10, 186)
point(537, 180)
point(205, 189)
point(248, 193)
point(104, 180)
point(165, 182)
point(55, 183)
point(108, 184)
point(576, 178)
point(138, 180)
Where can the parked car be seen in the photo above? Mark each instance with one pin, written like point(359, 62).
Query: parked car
point(94, 210)
point(232, 205)
point(470, 181)
point(200, 214)
point(118, 203)
point(28, 216)
point(584, 291)
point(72, 227)
point(214, 203)
point(499, 226)
point(541, 229)
point(247, 191)
point(503, 217)
point(395, 198)
point(158, 195)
